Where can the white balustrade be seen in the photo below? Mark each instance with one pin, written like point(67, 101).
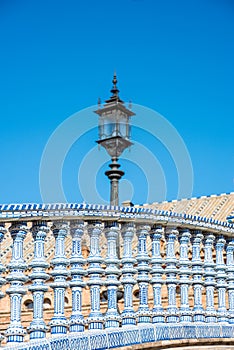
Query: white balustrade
point(183, 275)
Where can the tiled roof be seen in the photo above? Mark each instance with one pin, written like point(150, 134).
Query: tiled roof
point(217, 207)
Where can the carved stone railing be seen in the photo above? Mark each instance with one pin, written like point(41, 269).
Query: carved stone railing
point(173, 272)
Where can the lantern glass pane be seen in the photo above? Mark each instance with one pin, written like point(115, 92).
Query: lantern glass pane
point(108, 128)
point(122, 129)
point(114, 124)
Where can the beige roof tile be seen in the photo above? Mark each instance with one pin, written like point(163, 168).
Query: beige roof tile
point(215, 206)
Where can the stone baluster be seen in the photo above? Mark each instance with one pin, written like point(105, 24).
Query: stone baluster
point(77, 261)
point(230, 278)
point(37, 328)
point(184, 273)
point(128, 271)
point(112, 272)
point(59, 323)
point(221, 280)
point(15, 332)
point(143, 313)
point(95, 272)
point(158, 314)
point(209, 274)
point(171, 273)
point(3, 231)
point(197, 271)
point(2, 267)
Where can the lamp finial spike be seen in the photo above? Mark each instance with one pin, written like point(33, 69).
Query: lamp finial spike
point(115, 90)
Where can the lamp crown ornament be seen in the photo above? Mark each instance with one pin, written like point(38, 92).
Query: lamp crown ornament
point(114, 135)
point(114, 91)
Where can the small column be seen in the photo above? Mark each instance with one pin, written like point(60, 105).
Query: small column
point(2, 267)
point(184, 273)
point(230, 278)
point(209, 274)
point(158, 314)
point(15, 332)
point(59, 322)
point(3, 231)
point(77, 261)
point(143, 313)
point(112, 272)
point(38, 328)
point(95, 272)
point(221, 280)
point(171, 273)
point(128, 315)
point(197, 271)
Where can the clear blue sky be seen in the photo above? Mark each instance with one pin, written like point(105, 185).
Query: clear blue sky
point(58, 57)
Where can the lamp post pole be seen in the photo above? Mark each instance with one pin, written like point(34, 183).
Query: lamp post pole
point(114, 136)
point(114, 175)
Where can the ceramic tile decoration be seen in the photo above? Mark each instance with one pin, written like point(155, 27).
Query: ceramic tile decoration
point(148, 251)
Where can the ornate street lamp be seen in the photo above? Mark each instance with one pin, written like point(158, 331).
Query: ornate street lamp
point(114, 135)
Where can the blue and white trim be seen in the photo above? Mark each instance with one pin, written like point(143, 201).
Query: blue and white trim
point(131, 249)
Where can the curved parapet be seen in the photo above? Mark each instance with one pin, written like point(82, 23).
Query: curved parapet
point(145, 277)
point(9, 212)
point(141, 337)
